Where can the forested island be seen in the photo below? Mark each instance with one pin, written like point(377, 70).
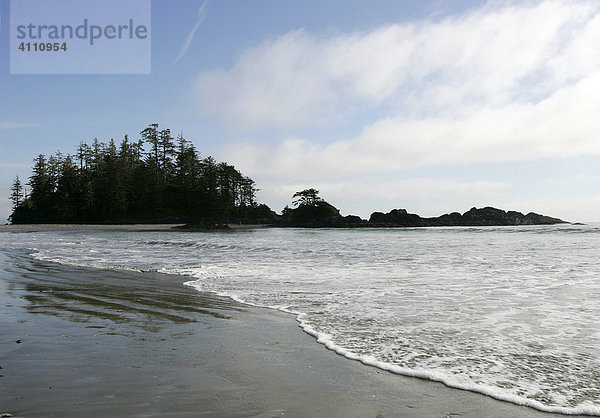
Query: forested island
point(155, 179)
point(160, 179)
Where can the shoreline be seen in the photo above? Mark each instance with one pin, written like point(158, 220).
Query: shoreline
point(124, 343)
point(24, 228)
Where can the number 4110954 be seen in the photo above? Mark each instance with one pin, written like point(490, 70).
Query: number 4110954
point(42, 46)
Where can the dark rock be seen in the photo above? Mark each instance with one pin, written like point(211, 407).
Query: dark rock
point(203, 227)
point(353, 221)
point(487, 216)
point(397, 217)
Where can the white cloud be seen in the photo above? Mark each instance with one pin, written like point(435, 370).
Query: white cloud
point(562, 125)
point(11, 125)
point(493, 56)
point(490, 86)
point(190, 37)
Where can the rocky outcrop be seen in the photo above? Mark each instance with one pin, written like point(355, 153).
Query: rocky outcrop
point(397, 217)
point(321, 214)
point(487, 216)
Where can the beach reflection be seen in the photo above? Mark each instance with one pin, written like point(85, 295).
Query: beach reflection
point(151, 301)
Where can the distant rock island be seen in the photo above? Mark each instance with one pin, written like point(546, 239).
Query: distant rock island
point(487, 216)
point(313, 212)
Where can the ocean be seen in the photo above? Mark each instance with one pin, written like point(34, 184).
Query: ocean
point(510, 312)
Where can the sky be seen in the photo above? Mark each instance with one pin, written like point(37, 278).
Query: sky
point(432, 106)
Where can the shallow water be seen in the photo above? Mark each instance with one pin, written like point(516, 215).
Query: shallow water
point(511, 312)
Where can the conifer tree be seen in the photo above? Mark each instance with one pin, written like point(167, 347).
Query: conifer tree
point(16, 195)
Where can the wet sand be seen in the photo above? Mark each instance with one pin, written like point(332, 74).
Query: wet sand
point(85, 227)
point(86, 342)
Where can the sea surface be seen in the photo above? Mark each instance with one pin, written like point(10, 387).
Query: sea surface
point(511, 312)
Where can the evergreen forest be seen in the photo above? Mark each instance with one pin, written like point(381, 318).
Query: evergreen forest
point(155, 179)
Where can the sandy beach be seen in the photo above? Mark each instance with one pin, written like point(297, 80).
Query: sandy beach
point(86, 342)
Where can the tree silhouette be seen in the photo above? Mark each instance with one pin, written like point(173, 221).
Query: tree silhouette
point(306, 197)
point(106, 182)
point(16, 195)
